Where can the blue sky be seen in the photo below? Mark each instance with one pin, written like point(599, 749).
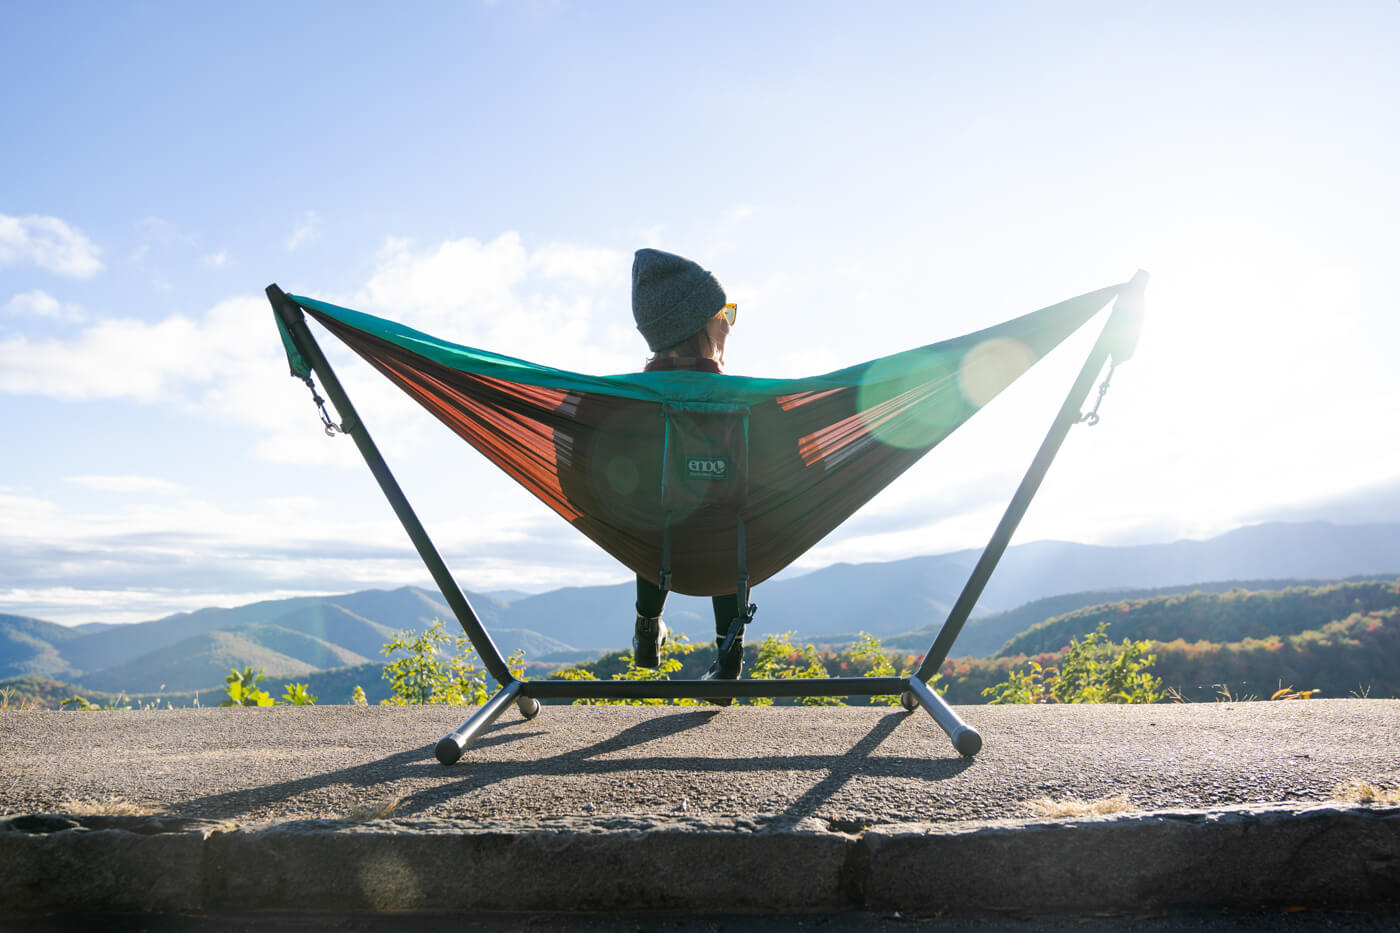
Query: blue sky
point(861, 177)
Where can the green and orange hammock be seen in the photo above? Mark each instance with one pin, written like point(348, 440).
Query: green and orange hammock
point(706, 484)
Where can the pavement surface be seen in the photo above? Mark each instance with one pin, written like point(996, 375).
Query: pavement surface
point(809, 811)
point(853, 767)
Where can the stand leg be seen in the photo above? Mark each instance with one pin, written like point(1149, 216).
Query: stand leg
point(967, 740)
point(450, 746)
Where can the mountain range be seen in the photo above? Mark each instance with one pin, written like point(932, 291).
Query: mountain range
point(902, 602)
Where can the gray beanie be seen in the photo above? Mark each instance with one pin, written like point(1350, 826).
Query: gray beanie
point(672, 297)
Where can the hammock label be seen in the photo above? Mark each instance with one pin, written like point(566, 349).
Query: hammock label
point(707, 467)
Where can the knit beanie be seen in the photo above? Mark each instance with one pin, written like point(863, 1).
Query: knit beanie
point(672, 297)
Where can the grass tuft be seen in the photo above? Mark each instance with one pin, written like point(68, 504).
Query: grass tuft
point(378, 810)
point(1073, 806)
point(111, 806)
point(1366, 792)
point(13, 699)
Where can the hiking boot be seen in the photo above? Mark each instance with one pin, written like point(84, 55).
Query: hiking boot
point(727, 666)
point(647, 640)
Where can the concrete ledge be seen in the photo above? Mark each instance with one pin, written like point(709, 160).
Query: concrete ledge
point(434, 864)
point(1234, 858)
point(1225, 858)
point(54, 863)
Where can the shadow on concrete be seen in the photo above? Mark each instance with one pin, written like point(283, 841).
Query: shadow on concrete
point(391, 768)
point(858, 761)
point(410, 764)
point(589, 762)
point(592, 761)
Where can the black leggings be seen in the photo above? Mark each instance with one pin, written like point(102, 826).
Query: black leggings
point(651, 599)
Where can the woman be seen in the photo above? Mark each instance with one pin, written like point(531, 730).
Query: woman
point(681, 311)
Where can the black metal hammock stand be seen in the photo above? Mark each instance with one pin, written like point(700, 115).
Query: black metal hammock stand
point(708, 484)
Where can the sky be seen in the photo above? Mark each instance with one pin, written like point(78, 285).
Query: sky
point(861, 178)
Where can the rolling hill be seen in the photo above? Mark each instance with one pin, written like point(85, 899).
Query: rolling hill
point(199, 662)
point(896, 597)
point(1340, 639)
point(33, 646)
point(1217, 617)
point(902, 602)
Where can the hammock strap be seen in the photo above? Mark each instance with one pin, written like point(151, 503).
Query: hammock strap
point(330, 427)
point(664, 579)
point(746, 609)
point(1091, 417)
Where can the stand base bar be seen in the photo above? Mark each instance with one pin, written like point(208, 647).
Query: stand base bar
point(709, 689)
point(450, 747)
point(967, 740)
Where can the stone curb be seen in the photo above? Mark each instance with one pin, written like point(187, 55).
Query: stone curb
point(1262, 855)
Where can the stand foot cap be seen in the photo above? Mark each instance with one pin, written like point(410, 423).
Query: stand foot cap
point(447, 750)
point(967, 741)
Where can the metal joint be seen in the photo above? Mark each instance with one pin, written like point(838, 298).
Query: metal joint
point(330, 427)
point(1091, 417)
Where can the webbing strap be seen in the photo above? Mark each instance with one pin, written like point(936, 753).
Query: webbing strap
point(741, 589)
point(665, 578)
point(745, 609)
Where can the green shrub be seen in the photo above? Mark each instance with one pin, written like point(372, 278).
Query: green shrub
point(1091, 671)
point(678, 648)
point(867, 651)
point(297, 695)
point(242, 689)
point(426, 674)
point(780, 659)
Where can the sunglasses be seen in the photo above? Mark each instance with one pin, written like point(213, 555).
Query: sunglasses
point(730, 313)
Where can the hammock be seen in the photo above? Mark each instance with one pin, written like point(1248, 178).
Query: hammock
point(706, 484)
point(662, 469)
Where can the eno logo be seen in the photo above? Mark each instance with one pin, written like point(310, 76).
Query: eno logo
point(707, 467)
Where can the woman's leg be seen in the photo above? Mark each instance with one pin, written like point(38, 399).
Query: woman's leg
point(727, 666)
point(649, 634)
point(651, 599)
point(725, 608)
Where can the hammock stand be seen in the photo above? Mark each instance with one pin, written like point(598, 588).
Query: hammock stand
point(1116, 341)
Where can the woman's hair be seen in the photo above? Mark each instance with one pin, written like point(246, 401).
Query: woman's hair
point(697, 345)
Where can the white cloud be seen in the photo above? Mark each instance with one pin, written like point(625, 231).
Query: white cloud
point(39, 303)
point(217, 260)
point(458, 282)
point(308, 229)
point(560, 304)
point(122, 561)
point(129, 484)
point(49, 243)
point(591, 266)
point(112, 359)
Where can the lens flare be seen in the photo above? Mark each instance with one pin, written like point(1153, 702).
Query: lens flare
point(911, 400)
point(991, 366)
point(623, 475)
